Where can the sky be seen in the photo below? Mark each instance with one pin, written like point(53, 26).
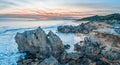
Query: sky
point(56, 9)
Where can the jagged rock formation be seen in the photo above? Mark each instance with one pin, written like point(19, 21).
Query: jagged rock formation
point(47, 49)
point(101, 47)
point(82, 28)
point(38, 45)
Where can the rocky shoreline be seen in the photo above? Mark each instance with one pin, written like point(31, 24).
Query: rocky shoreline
point(47, 49)
point(84, 28)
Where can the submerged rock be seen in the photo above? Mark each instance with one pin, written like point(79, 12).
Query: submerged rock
point(67, 46)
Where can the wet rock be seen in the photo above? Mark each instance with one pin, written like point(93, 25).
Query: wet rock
point(77, 47)
point(67, 46)
point(50, 61)
point(84, 28)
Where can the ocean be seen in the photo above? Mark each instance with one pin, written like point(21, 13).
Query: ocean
point(9, 53)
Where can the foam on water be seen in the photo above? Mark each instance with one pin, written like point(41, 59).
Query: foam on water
point(8, 47)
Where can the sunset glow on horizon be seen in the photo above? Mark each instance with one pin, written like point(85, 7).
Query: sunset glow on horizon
point(57, 8)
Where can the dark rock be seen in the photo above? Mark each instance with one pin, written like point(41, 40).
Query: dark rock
point(115, 16)
point(77, 47)
point(112, 54)
point(65, 29)
point(94, 58)
point(90, 47)
point(84, 28)
point(67, 46)
point(50, 61)
point(81, 61)
point(85, 61)
point(74, 56)
point(100, 62)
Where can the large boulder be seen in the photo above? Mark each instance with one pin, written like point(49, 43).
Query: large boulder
point(39, 45)
point(34, 42)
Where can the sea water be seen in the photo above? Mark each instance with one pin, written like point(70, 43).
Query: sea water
point(9, 53)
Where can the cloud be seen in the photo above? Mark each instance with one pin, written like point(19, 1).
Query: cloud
point(4, 4)
point(7, 6)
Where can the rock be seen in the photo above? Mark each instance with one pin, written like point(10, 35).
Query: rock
point(74, 56)
point(56, 44)
point(101, 43)
point(85, 61)
point(82, 61)
point(47, 49)
point(100, 48)
point(39, 45)
point(100, 62)
point(77, 47)
point(84, 28)
point(24, 62)
point(112, 54)
point(90, 47)
point(50, 61)
point(116, 27)
point(67, 46)
point(34, 42)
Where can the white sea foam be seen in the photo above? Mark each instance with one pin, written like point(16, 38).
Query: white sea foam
point(8, 47)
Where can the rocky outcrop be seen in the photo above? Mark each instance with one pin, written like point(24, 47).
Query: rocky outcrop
point(39, 45)
point(33, 42)
point(82, 28)
point(47, 49)
point(97, 18)
point(101, 48)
